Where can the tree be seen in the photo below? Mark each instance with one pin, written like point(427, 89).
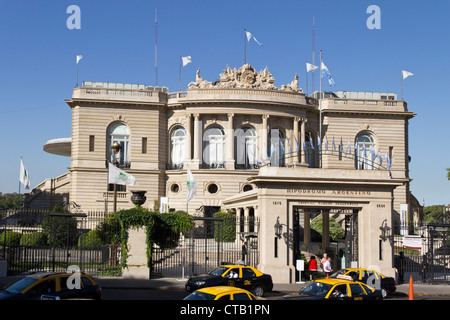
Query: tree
point(11, 200)
point(448, 173)
point(433, 213)
point(336, 231)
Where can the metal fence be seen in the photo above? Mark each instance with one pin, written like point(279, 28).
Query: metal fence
point(422, 252)
point(32, 240)
point(210, 243)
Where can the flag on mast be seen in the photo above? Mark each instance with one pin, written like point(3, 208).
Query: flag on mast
point(79, 57)
point(310, 67)
point(118, 176)
point(24, 178)
point(191, 185)
point(326, 73)
point(186, 60)
point(406, 74)
point(250, 36)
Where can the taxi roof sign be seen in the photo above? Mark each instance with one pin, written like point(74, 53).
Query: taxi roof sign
point(344, 277)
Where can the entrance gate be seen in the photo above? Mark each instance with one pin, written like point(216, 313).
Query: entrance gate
point(208, 244)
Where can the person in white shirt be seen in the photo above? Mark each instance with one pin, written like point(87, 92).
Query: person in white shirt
point(327, 267)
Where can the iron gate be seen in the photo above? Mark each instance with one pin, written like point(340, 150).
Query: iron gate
point(208, 244)
point(424, 254)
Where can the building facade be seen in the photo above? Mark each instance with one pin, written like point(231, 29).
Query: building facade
point(267, 152)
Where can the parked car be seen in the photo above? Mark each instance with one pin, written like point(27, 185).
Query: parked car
point(338, 289)
point(52, 285)
point(370, 277)
point(240, 276)
point(221, 293)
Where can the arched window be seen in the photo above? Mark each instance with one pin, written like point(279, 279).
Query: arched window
point(246, 154)
point(365, 151)
point(277, 143)
point(177, 148)
point(214, 147)
point(118, 145)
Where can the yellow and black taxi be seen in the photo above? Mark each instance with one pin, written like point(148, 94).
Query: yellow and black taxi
point(239, 276)
point(338, 289)
point(223, 293)
point(55, 286)
point(370, 277)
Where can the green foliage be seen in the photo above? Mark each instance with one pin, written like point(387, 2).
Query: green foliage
point(161, 229)
point(60, 231)
point(336, 231)
point(10, 238)
point(109, 231)
point(433, 213)
point(90, 239)
point(11, 201)
point(227, 228)
point(33, 239)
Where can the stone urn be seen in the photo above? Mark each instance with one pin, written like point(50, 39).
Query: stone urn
point(138, 197)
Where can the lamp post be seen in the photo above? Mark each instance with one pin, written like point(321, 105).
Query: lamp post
point(278, 228)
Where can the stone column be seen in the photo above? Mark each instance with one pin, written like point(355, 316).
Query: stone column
point(325, 229)
point(303, 129)
point(264, 135)
point(295, 140)
point(306, 232)
point(188, 140)
point(197, 142)
point(229, 162)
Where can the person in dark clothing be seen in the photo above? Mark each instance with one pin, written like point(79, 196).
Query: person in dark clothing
point(244, 252)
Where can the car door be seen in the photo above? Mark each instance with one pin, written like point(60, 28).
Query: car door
point(249, 278)
point(45, 287)
point(357, 292)
point(233, 281)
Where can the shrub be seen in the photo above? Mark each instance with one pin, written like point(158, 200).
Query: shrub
point(60, 231)
point(90, 239)
point(227, 227)
point(33, 239)
point(10, 238)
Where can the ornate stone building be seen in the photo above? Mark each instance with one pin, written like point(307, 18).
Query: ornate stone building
point(252, 147)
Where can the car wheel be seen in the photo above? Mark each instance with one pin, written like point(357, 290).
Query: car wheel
point(258, 290)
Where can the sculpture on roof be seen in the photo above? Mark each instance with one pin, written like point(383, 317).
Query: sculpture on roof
point(245, 77)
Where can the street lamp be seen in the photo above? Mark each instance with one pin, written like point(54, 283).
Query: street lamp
point(278, 228)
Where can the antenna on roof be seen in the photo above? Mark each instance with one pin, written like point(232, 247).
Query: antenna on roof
point(156, 49)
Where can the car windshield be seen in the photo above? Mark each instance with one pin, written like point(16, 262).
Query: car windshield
point(198, 295)
point(19, 285)
point(218, 271)
point(339, 273)
point(318, 289)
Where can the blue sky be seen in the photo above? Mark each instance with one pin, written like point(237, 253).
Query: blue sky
point(116, 39)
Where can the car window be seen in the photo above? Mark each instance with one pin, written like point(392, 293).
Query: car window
point(357, 290)
point(232, 273)
point(248, 273)
point(318, 289)
point(241, 296)
point(218, 271)
point(44, 287)
point(340, 291)
point(86, 282)
point(19, 285)
point(225, 297)
point(198, 295)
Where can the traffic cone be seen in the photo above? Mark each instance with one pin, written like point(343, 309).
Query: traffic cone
point(328, 277)
point(411, 290)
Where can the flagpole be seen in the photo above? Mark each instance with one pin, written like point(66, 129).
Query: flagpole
point(320, 98)
point(156, 49)
point(245, 46)
point(179, 86)
point(77, 73)
point(307, 92)
point(402, 87)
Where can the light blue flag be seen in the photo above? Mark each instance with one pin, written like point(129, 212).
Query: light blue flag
point(349, 146)
point(250, 36)
point(341, 147)
point(326, 142)
point(318, 142)
point(289, 144)
point(296, 142)
point(334, 146)
point(326, 73)
point(311, 142)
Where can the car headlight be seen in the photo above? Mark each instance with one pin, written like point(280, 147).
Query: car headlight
point(199, 283)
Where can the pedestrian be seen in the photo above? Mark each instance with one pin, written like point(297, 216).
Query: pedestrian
point(244, 251)
point(400, 264)
point(327, 268)
point(312, 268)
point(323, 260)
point(424, 270)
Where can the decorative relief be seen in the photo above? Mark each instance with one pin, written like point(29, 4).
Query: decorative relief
point(245, 77)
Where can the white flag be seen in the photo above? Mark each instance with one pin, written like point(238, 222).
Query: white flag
point(310, 67)
point(24, 178)
point(249, 36)
point(186, 60)
point(117, 176)
point(406, 74)
point(79, 58)
point(191, 186)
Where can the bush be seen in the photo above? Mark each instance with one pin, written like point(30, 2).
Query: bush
point(90, 239)
point(33, 239)
point(10, 238)
point(60, 231)
point(227, 227)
